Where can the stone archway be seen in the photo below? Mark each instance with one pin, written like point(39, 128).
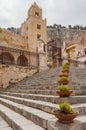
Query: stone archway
point(6, 58)
point(22, 60)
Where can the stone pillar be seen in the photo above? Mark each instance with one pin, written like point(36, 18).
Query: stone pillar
point(42, 61)
point(64, 54)
point(42, 51)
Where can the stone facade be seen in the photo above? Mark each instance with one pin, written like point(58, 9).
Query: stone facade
point(75, 50)
point(35, 32)
point(28, 49)
point(34, 28)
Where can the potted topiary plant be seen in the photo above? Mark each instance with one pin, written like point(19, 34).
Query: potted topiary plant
point(65, 69)
point(63, 80)
point(67, 63)
point(64, 91)
point(64, 74)
point(65, 113)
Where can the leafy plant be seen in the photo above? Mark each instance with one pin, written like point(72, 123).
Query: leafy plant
point(67, 63)
point(66, 67)
point(65, 108)
point(63, 79)
point(63, 88)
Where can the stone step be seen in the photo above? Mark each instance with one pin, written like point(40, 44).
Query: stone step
point(78, 124)
point(48, 121)
point(44, 106)
point(17, 121)
point(4, 125)
point(37, 116)
point(29, 91)
point(45, 92)
point(49, 98)
point(75, 85)
point(41, 87)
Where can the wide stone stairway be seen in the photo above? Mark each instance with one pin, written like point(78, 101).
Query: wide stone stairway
point(29, 104)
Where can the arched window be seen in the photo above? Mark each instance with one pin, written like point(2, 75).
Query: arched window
point(6, 58)
point(22, 61)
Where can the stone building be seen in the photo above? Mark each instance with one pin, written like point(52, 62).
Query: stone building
point(76, 50)
point(29, 48)
point(35, 32)
point(76, 53)
point(25, 54)
point(54, 53)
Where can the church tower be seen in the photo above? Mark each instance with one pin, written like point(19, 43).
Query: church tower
point(35, 32)
point(34, 28)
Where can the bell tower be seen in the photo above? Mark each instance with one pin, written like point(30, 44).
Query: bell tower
point(36, 27)
point(35, 32)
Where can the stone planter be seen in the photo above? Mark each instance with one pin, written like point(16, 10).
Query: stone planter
point(65, 71)
point(65, 118)
point(64, 82)
point(65, 93)
point(64, 75)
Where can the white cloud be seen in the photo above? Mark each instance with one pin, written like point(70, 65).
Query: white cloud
point(14, 12)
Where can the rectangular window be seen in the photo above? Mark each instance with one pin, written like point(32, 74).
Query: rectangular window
point(38, 26)
point(36, 13)
point(38, 36)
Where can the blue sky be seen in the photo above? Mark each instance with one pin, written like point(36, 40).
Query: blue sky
point(64, 12)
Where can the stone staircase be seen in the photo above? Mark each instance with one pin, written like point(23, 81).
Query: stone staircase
point(29, 104)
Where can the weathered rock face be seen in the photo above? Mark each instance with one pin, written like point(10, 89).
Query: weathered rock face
point(67, 35)
point(13, 74)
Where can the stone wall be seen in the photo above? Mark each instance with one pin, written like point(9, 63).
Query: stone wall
point(12, 74)
point(9, 39)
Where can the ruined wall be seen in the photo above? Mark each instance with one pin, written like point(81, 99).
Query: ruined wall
point(12, 74)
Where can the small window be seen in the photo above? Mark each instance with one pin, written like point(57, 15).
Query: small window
point(85, 51)
point(38, 26)
point(38, 36)
point(36, 13)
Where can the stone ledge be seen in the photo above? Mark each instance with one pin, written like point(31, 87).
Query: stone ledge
point(17, 121)
point(78, 124)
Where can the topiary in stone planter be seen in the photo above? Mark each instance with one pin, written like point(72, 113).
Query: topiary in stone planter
point(65, 70)
point(65, 113)
point(63, 74)
point(64, 91)
point(63, 80)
